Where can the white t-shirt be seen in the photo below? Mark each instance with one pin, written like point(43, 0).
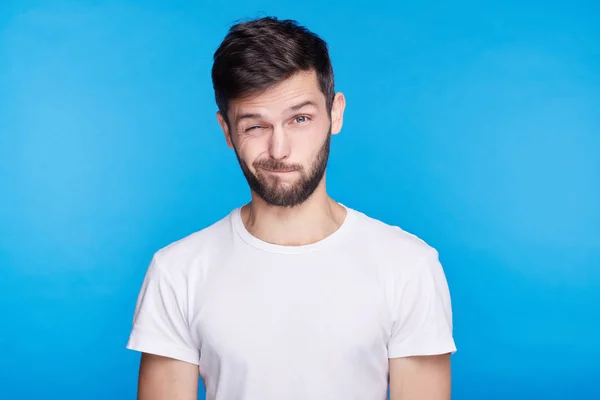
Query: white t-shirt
point(271, 322)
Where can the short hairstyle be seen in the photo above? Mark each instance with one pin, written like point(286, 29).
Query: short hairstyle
point(258, 54)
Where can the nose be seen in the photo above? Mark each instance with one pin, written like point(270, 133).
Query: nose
point(279, 145)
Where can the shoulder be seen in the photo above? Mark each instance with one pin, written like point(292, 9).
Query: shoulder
point(402, 248)
point(410, 265)
point(182, 255)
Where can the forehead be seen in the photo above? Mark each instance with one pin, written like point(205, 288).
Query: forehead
point(299, 88)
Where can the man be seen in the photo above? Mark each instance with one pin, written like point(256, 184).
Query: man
point(292, 296)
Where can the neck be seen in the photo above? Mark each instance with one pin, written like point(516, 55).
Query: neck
point(315, 219)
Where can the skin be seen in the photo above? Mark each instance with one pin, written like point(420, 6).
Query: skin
point(162, 378)
point(291, 137)
point(420, 378)
point(284, 129)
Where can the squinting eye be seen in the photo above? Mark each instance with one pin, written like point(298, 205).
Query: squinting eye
point(252, 128)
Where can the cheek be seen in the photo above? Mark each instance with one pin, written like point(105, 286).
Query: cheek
point(307, 146)
point(250, 149)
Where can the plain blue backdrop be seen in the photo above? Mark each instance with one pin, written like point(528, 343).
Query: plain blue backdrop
point(473, 126)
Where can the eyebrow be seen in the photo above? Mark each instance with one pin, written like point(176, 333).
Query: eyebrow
point(291, 109)
point(248, 115)
point(302, 105)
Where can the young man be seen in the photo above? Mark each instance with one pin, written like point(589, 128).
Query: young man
point(292, 296)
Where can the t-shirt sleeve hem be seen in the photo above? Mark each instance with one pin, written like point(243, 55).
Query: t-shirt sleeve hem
point(445, 346)
point(147, 343)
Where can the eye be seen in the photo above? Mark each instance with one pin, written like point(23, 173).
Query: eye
point(300, 119)
point(251, 128)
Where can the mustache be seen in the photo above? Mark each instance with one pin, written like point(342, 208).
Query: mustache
point(275, 165)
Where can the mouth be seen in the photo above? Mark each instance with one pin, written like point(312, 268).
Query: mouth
point(278, 171)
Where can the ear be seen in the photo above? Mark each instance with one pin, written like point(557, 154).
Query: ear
point(225, 129)
point(337, 113)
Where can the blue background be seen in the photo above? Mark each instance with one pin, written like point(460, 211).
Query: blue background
point(476, 127)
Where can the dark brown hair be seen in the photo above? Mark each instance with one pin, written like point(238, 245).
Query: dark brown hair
point(257, 54)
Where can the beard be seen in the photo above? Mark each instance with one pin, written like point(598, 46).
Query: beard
point(274, 191)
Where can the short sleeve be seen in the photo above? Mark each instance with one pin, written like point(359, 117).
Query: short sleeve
point(422, 312)
point(159, 324)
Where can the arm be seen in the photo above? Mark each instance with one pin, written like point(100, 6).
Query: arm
point(161, 333)
point(420, 378)
point(421, 341)
point(164, 378)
